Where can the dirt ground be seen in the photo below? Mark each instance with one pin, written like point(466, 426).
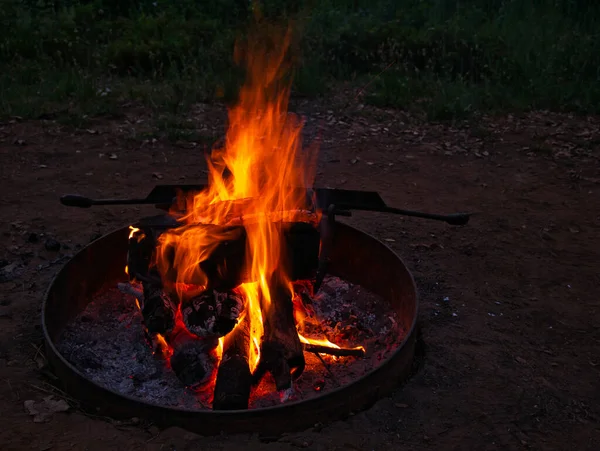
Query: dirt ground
point(509, 304)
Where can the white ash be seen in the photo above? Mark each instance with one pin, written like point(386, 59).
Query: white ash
point(339, 304)
point(107, 343)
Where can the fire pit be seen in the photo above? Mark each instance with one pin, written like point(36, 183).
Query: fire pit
point(247, 307)
point(355, 257)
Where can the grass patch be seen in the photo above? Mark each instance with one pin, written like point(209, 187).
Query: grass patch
point(444, 58)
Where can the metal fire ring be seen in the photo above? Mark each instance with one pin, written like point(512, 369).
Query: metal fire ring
point(355, 256)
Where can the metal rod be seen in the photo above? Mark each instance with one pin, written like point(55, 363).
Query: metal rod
point(74, 200)
point(453, 219)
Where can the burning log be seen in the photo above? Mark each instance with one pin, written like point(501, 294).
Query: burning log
point(234, 380)
point(193, 360)
point(224, 268)
point(281, 351)
point(212, 314)
point(142, 243)
point(338, 352)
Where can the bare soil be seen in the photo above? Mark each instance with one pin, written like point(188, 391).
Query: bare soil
point(509, 304)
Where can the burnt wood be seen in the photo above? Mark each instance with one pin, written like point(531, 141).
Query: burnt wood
point(158, 309)
point(234, 380)
point(281, 350)
point(142, 243)
point(193, 360)
point(212, 314)
point(225, 268)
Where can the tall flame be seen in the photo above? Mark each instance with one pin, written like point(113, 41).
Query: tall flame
point(250, 180)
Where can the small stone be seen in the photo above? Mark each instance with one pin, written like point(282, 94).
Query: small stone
point(52, 245)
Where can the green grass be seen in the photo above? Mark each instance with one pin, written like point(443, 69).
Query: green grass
point(445, 58)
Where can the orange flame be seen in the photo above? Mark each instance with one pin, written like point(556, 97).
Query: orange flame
point(250, 181)
point(164, 348)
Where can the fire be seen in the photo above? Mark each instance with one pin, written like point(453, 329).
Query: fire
point(253, 308)
point(133, 231)
point(259, 180)
point(314, 341)
point(250, 182)
point(163, 346)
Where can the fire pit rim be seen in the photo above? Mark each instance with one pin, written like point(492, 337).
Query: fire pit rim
point(54, 353)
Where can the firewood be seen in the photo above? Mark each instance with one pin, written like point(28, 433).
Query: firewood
point(234, 380)
point(142, 243)
point(225, 268)
point(193, 360)
point(281, 350)
point(212, 314)
point(158, 307)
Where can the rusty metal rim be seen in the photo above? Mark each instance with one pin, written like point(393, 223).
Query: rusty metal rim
point(93, 394)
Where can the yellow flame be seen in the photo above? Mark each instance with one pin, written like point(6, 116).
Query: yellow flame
point(250, 181)
point(133, 231)
point(316, 341)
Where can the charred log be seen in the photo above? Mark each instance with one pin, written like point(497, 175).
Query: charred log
point(158, 309)
point(225, 267)
point(234, 380)
point(212, 314)
point(142, 243)
point(193, 360)
point(281, 350)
